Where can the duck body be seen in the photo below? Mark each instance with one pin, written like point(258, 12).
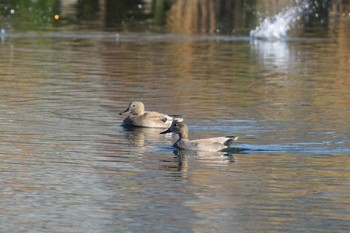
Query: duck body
point(141, 118)
point(205, 144)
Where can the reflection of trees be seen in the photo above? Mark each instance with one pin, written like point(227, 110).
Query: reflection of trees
point(192, 16)
point(110, 13)
point(209, 16)
point(178, 16)
point(343, 38)
point(197, 16)
point(87, 9)
point(118, 11)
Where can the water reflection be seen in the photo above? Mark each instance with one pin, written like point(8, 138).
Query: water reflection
point(63, 152)
point(179, 16)
point(274, 54)
point(142, 136)
point(185, 161)
point(204, 158)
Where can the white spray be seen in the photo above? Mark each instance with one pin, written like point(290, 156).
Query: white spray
point(277, 26)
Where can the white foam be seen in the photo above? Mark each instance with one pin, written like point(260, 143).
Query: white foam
point(277, 26)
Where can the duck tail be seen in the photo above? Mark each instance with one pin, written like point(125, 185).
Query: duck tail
point(170, 118)
point(230, 140)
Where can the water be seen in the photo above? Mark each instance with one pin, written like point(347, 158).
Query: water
point(68, 166)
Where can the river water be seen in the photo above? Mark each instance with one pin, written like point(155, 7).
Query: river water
point(68, 166)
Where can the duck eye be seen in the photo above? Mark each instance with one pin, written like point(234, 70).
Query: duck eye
point(134, 106)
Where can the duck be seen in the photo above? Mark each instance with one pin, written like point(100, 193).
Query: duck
point(214, 144)
point(141, 118)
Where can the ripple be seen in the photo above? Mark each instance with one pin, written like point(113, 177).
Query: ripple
point(292, 148)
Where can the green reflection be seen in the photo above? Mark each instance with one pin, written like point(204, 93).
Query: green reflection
point(30, 15)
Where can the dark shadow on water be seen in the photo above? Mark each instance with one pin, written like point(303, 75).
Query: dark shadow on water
point(138, 129)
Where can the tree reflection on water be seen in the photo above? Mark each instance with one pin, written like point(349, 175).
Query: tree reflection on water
point(177, 16)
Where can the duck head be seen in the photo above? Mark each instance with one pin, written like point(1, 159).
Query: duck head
point(179, 128)
point(134, 108)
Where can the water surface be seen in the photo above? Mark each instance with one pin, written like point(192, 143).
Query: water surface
point(68, 166)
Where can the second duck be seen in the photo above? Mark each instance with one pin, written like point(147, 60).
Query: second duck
point(205, 144)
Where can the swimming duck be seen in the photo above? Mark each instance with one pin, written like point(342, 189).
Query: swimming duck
point(206, 144)
point(139, 117)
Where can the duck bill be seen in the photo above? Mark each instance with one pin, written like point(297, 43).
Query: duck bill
point(166, 131)
point(125, 112)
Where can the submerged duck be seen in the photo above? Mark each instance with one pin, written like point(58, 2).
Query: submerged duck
point(205, 144)
point(139, 117)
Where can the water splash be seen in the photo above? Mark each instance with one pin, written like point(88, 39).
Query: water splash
point(277, 26)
